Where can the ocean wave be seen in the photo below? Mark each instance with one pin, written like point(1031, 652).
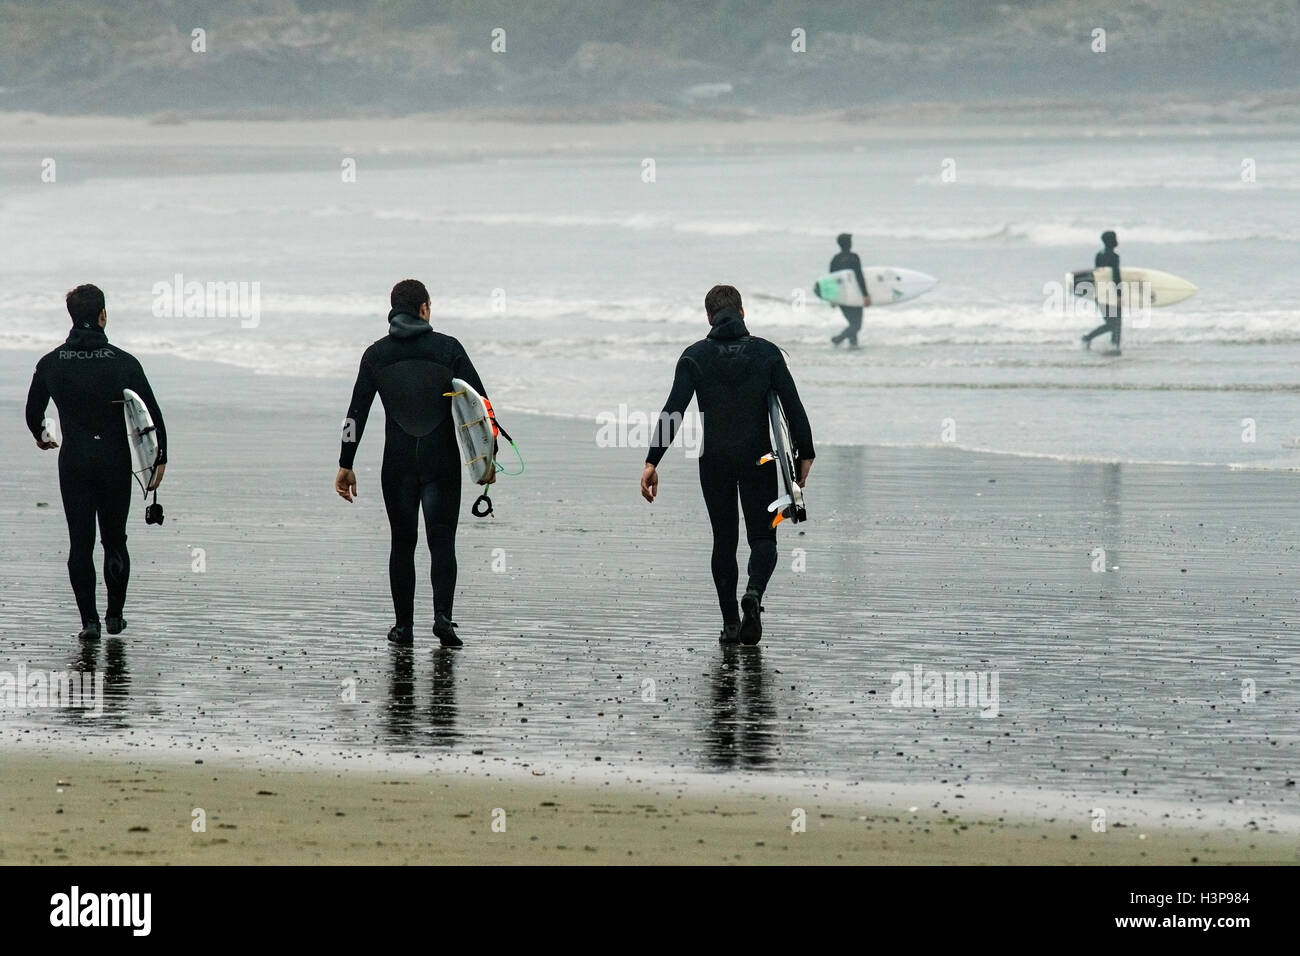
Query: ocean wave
point(1045, 234)
point(1036, 183)
point(29, 216)
point(553, 325)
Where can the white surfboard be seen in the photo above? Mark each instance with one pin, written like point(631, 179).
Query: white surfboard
point(474, 434)
point(143, 438)
point(791, 504)
point(887, 285)
point(1139, 288)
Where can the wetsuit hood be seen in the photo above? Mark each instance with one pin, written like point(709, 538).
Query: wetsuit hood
point(87, 337)
point(403, 325)
point(728, 325)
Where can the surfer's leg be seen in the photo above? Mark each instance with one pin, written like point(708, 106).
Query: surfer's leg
point(441, 500)
point(113, 502)
point(402, 502)
point(1104, 327)
point(719, 487)
point(758, 489)
point(854, 316)
point(79, 509)
point(1114, 334)
point(837, 339)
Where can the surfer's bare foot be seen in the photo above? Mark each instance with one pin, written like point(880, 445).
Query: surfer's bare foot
point(1087, 342)
point(730, 633)
point(115, 623)
point(836, 341)
point(89, 631)
point(401, 636)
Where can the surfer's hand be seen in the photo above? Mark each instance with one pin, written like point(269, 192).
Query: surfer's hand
point(649, 483)
point(491, 475)
point(805, 466)
point(47, 445)
point(866, 301)
point(346, 484)
point(157, 478)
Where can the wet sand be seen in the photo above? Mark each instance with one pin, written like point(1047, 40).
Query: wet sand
point(258, 613)
point(85, 811)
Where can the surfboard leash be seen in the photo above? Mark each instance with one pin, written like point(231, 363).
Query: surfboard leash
point(482, 507)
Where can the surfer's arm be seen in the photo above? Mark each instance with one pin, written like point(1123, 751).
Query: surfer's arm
point(363, 396)
point(38, 399)
point(674, 410)
point(462, 367)
point(1102, 260)
point(142, 388)
point(862, 282)
point(795, 416)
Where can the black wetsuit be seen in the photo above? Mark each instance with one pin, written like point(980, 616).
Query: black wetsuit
point(85, 377)
point(731, 373)
point(411, 368)
point(1111, 312)
point(852, 313)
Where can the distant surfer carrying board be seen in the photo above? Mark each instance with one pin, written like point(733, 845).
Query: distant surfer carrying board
point(732, 373)
point(1111, 310)
point(846, 259)
point(411, 368)
point(85, 376)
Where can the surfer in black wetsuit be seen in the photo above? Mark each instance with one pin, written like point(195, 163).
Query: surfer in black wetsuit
point(411, 368)
point(731, 372)
point(1112, 310)
point(85, 377)
point(844, 259)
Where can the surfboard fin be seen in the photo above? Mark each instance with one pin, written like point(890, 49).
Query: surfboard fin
point(769, 457)
point(786, 507)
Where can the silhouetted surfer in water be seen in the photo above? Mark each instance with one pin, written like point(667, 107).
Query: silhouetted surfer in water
point(85, 376)
point(411, 368)
point(845, 259)
point(731, 372)
point(1111, 310)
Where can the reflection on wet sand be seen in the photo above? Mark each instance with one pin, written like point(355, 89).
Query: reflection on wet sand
point(442, 698)
point(402, 708)
point(956, 562)
point(741, 728)
point(116, 683)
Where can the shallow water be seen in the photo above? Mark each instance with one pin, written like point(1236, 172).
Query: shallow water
point(575, 284)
